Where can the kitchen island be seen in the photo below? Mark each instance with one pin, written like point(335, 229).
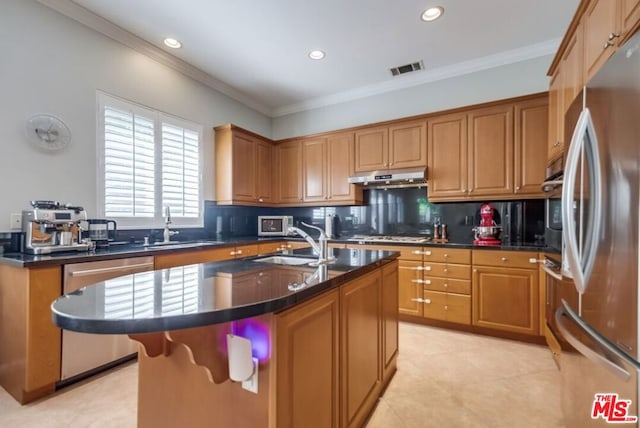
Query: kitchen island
point(325, 338)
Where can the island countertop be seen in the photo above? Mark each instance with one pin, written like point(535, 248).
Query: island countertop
point(208, 293)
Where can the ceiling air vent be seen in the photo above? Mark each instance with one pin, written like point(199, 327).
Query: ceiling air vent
point(402, 69)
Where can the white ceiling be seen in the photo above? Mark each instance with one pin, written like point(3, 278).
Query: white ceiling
point(259, 48)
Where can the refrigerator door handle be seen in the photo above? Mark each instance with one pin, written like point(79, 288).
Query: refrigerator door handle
point(581, 263)
point(596, 357)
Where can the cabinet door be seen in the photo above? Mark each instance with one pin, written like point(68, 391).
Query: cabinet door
point(314, 169)
point(505, 299)
point(630, 15)
point(340, 151)
point(600, 23)
point(289, 172)
point(491, 151)
point(308, 362)
point(244, 168)
point(361, 342)
point(389, 319)
point(410, 288)
point(408, 145)
point(572, 68)
point(556, 116)
point(447, 159)
point(264, 171)
point(372, 147)
point(530, 157)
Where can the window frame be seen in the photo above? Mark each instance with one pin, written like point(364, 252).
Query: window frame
point(159, 118)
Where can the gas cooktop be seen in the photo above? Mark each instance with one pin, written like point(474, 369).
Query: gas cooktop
point(390, 238)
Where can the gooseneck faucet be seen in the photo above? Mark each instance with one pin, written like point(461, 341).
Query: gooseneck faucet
point(168, 233)
point(322, 247)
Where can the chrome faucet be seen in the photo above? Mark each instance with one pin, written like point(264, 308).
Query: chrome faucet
point(168, 233)
point(322, 247)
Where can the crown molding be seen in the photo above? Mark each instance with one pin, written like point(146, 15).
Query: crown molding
point(537, 50)
point(119, 34)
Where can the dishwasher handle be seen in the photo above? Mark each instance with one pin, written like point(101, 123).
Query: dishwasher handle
point(99, 271)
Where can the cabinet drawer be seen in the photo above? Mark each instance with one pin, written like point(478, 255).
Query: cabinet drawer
point(246, 251)
point(446, 255)
point(445, 270)
point(459, 286)
point(447, 307)
point(518, 259)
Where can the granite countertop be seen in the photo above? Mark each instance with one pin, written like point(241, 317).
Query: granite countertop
point(125, 250)
point(207, 293)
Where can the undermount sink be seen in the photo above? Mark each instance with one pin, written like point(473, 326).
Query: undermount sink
point(284, 260)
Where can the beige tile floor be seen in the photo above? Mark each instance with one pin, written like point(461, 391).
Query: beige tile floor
point(444, 379)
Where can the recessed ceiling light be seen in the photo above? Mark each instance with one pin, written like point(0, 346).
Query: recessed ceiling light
point(432, 13)
point(172, 43)
point(317, 54)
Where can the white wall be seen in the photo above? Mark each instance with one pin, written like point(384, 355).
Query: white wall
point(507, 81)
point(52, 64)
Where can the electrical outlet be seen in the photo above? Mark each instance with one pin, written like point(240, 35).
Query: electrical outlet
point(16, 221)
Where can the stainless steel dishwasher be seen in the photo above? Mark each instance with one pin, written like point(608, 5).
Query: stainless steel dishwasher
point(82, 353)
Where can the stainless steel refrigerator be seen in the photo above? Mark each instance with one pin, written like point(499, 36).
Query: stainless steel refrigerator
point(600, 213)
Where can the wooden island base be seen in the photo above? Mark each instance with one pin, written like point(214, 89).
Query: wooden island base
point(328, 361)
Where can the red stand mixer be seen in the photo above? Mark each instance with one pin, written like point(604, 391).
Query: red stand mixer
point(488, 231)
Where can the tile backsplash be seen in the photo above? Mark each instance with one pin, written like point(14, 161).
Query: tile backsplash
point(386, 212)
point(391, 212)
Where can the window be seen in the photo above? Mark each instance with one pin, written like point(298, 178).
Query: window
point(147, 160)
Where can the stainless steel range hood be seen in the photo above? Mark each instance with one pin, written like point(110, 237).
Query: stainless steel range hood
point(391, 178)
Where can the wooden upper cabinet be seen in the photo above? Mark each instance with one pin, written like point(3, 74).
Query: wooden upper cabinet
point(556, 117)
point(491, 151)
point(447, 159)
point(314, 169)
point(629, 14)
point(401, 145)
point(408, 144)
point(289, 172)
point(573, 68)
point(327, 163)
point(340, 166)
point(264, 171)
point(372, 149)
point(243, 167)
point(530, 157)
point(601, 34)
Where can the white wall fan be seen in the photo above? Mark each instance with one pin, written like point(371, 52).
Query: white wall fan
point(48, 132)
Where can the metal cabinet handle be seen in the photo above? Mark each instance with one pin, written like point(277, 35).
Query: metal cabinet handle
point(446, 285)
point(517, 187)
point(551, 273)
point(98, 271)
point(613, 36)
point(446, 308)
point(504, 259)
point(427, 301)
point(445, 270)
point(427, 281)
point(427, 268)
point(232, 253)
point(427, 253)
point(446, 255)
point(607, 44)
point(419, 300)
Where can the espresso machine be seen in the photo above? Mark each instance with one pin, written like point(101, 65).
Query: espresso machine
point(51, 227)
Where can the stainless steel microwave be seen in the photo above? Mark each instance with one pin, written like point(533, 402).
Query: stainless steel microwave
point(274, 225)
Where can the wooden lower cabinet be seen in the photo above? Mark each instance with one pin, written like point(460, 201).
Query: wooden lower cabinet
point(506, 299)
point(30, 344)
point(335, 352)
point(361, 338)
point(447, 307)
point(204, 255)
point(307, 352)
point(389, 320)
point(409, 288)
